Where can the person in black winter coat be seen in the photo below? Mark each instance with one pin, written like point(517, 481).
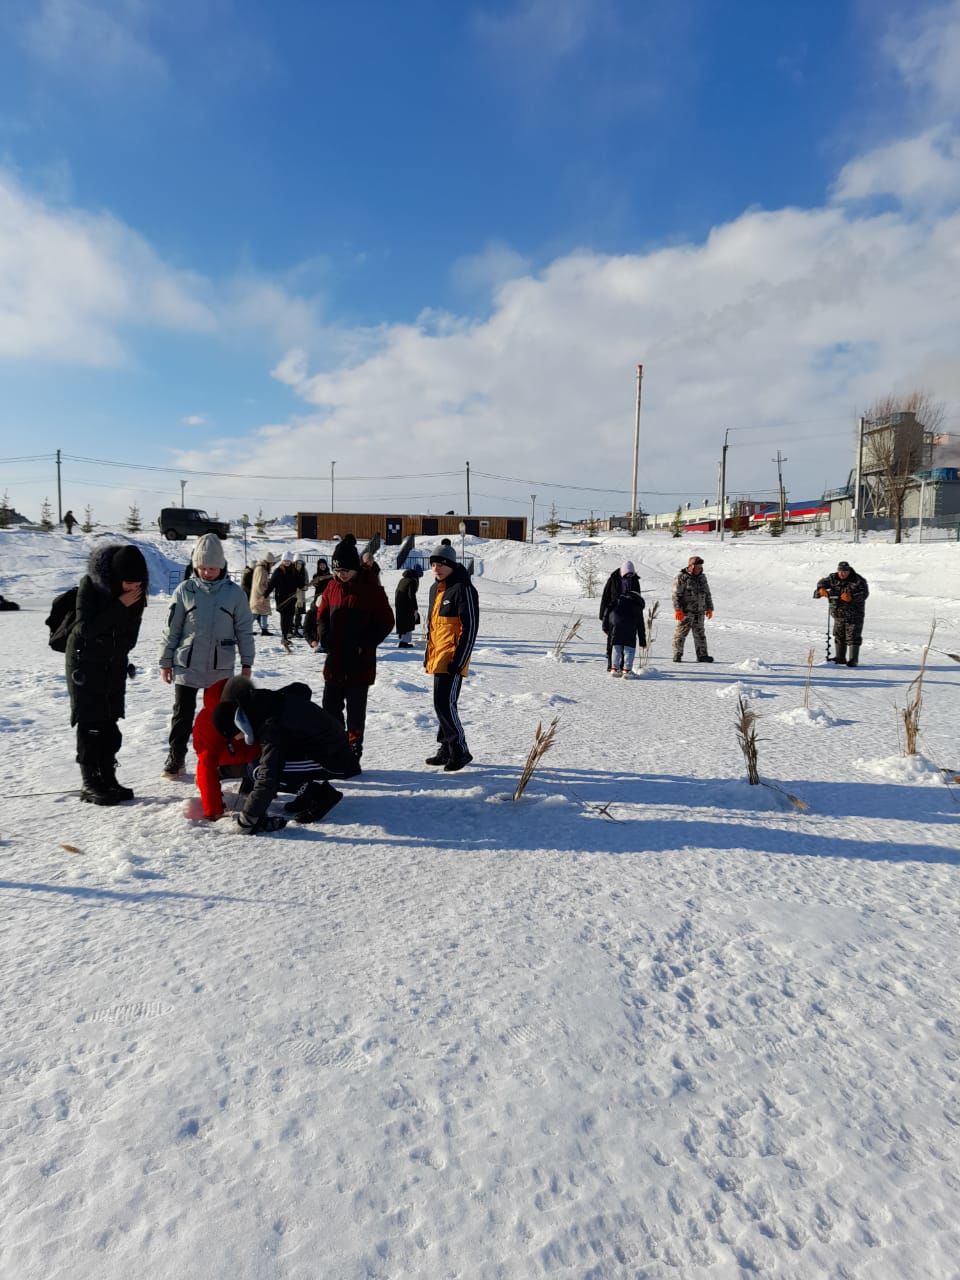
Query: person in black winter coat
point(622, 581)
point(623, 624)
point(847, 592)
point(284, 582)
point(7, 606)
point(246, 580)
point(405, 607)
point(301, 747)
point(110, 601)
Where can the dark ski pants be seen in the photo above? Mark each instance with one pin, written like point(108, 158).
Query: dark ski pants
point(446, 695)
point(98, 742)
point(354, 698)
point(181, 723)
point(287, 612)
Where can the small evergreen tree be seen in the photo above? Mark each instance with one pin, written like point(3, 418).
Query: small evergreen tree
point(87, 525)
point(260, 524)
point(4, 510)
point(46, 516)
point(676, 524)
point(775, 525)
point(133, 520)
point(591, 527)
point(552, 527)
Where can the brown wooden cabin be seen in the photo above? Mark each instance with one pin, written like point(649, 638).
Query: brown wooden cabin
point(325, 527)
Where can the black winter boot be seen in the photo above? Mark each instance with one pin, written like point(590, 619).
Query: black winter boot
point(441, 757)
point(457, 761)
point(95, 790)
point(321, 799)
point(172, 766)
point(840, 657)
point(854, 659)
point(108, 772)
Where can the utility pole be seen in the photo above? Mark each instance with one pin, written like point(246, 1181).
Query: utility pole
point(780, 461)
point(533, 514)
point(636, 453)
point(468, 488)
point(183, 485)
point(723, 482)
point(59, 498)
point(332, 465)
point(856, 484)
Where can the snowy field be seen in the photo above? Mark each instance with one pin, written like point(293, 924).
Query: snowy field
point(646, 1022)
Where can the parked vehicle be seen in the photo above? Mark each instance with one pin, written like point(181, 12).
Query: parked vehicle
point(177, 523)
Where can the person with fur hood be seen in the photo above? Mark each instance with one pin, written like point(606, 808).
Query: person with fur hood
point(353, 616)
point(111, 598)
point(692, 602)
point(453, 617)
point(260, 591)
point(217, 757)
point(301, 748)
point(208, 626)
point(621, 612)
point(405, 606)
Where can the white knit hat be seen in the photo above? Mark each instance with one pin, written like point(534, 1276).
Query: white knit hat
point(288, 557)
point(208, 553)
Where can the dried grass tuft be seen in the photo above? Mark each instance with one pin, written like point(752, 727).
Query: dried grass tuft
point(806, 684)
point(567, 634)
point(542, 742)
point(746, 724)
point(910, 713)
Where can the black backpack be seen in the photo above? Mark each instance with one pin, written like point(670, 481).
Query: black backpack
point(63, 616)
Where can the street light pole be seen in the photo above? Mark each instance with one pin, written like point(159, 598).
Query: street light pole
point(636, 453)
point(332, 465)
point(723, 482)
point(533, 514)
point(183, 485)
point(857, 482)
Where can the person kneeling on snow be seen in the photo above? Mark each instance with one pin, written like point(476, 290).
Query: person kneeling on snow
point(217, 757)
point(301, 746)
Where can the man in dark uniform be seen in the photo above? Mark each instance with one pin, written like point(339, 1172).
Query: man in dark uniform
point(847, 592)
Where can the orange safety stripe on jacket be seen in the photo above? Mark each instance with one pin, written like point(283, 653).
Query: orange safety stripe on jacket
point(443, 638)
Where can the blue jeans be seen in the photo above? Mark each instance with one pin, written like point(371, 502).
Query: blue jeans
point(622, 656)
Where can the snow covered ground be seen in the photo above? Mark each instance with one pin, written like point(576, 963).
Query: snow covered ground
point(646, 1022)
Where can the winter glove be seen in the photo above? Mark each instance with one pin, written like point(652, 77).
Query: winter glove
point(679, 614)
point(709, 613)
point(846, 597)
point(824, 592)
point(269, 822)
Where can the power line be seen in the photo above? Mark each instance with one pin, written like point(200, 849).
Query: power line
point(249, 475)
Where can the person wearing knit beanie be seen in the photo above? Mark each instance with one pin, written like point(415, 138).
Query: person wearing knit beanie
point(209, 553)
point(345, 555)
point(127, 565)
point(208, 627)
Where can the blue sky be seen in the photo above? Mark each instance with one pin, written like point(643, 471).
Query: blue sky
point(246, 238)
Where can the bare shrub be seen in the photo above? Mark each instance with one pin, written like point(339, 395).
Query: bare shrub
point(542, 742)
point(643, 654)
point(587, 573)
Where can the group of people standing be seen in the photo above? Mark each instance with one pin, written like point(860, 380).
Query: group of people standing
point(275, 738)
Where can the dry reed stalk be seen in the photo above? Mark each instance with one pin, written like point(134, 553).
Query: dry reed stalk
point(567, 634)
point(643, 654)
point(542, 742)
point(806, 686)
point(910, 713)
point(746, 723)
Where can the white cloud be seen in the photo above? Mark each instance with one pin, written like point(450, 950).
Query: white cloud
point(922, 171)
point(72, 283)
point(486, 271)
point(193, 420)
point(93, 39)
point(925, 48)
point(541, 29)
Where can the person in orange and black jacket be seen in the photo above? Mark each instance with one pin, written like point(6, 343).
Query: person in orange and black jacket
point(453, 617)
point(353, 616)
point(216, 757)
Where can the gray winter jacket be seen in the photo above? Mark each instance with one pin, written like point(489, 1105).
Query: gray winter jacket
point(208, 625)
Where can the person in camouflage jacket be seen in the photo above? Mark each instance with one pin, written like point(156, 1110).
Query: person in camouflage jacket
point(692, 602)
point(847, 592)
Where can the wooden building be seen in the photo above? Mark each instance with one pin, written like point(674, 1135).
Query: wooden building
point(326, 527)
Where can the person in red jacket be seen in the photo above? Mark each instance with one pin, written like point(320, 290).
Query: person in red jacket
point(217, 758)
point(353, 616)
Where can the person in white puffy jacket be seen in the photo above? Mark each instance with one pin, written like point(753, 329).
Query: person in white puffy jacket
point(208, 627)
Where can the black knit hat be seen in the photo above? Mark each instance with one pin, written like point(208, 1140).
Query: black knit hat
point(345, 555)
point(127, 565)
